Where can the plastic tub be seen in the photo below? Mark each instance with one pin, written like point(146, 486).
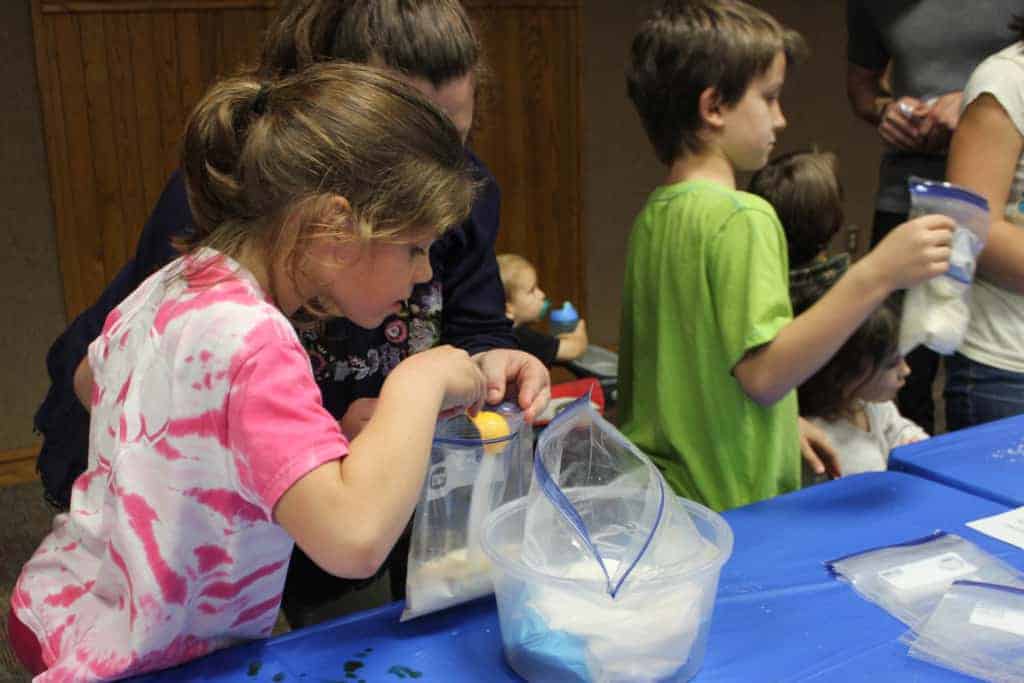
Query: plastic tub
point(653, 632)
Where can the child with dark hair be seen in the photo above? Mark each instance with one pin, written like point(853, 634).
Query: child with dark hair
point(851, 398)
point(803, 188)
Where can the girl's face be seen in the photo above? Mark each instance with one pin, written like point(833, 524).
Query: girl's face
point(886, 381)
point(367, 283)
point(750, 127)
point(526, 300)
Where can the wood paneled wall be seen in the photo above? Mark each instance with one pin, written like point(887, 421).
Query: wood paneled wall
point(118, 78)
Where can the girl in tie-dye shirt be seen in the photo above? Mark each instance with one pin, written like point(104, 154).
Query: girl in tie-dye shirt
point(210, 452)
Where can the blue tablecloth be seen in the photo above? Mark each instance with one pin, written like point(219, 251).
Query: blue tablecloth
point(987, 460)
point(778, 615)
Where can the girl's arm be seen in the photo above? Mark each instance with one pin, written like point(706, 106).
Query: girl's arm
point(347, 514)
point(914, 252)
point(983, 156)
point(83, 383)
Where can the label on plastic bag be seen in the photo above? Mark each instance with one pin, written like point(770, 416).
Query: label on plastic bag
point(943, 568)
point(448, 475)
point(962, 260)
point(999, 618)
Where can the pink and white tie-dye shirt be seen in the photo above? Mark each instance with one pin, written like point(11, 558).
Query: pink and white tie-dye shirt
point(204, 412)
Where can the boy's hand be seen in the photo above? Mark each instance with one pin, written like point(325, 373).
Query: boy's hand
point(817, 450)
point(507, 368)
point(914, 251)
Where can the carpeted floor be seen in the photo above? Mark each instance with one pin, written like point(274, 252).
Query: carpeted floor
point(26, 519)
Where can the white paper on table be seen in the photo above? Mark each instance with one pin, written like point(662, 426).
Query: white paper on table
point(1008, 527)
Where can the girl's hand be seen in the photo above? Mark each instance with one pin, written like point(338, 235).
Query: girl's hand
point(913, 252)
point(516, 373)
point(465, 386)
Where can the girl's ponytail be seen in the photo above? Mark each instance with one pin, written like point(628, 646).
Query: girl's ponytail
point(259, 156)
point(214, 143)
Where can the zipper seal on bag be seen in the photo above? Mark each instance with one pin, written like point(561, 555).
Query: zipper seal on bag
point(934, 536)
point(989, 586)
point(553, 492)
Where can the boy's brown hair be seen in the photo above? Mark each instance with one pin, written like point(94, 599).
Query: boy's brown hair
point(431, 39)
point(263, 162)
point(803, 188)
point(687, 46)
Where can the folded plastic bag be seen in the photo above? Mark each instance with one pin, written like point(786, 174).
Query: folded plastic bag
point(908, 580)
point(977, 629)
point(936, 312)
point(469, 476)
point(600, 514)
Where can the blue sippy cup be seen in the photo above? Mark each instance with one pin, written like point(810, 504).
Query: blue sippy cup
point(564, 319)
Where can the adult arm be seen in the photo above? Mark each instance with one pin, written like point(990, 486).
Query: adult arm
point(983, 156)
point(473, 314)
point(867, 61)
point(61, 418)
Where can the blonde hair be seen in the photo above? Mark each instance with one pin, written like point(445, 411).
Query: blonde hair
point(263, 162)
point(512, 269)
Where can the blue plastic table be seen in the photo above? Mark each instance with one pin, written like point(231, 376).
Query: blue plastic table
point(987, 460)
point(778, 615)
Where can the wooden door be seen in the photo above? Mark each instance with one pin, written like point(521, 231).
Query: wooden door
point(118, 77)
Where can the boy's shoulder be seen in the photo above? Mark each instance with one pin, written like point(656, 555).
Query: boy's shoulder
point(710, 198)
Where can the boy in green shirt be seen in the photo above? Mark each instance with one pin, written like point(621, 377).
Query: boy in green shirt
point(710, 352)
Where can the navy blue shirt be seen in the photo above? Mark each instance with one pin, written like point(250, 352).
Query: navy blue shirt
point(464, 305)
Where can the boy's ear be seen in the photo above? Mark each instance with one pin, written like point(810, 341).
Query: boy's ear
point(510, 310)
point(709, 104)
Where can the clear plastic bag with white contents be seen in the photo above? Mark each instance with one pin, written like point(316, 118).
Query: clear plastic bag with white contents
point(600, 514)
point(908, 580)
point(936, 312)
point(468, 477)
point(977, 629)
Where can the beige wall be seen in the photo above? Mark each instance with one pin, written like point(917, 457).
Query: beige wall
point(31, 305)
point(620, 168)
point(619, 171)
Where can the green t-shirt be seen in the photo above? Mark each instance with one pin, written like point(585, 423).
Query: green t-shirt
point(706, 281)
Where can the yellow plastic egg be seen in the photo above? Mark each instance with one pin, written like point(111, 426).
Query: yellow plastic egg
point(491, 425)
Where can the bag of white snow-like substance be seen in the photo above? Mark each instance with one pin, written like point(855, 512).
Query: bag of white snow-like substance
point(936, 312)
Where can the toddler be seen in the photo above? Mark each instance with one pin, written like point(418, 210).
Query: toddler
point(851, 398)
point(210, 452)
point(525, 303)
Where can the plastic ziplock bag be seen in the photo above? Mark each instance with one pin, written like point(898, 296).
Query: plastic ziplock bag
point(600, 514)
point(936, 312)
point(908, 580)
point(977, 629)
point(468, 477)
